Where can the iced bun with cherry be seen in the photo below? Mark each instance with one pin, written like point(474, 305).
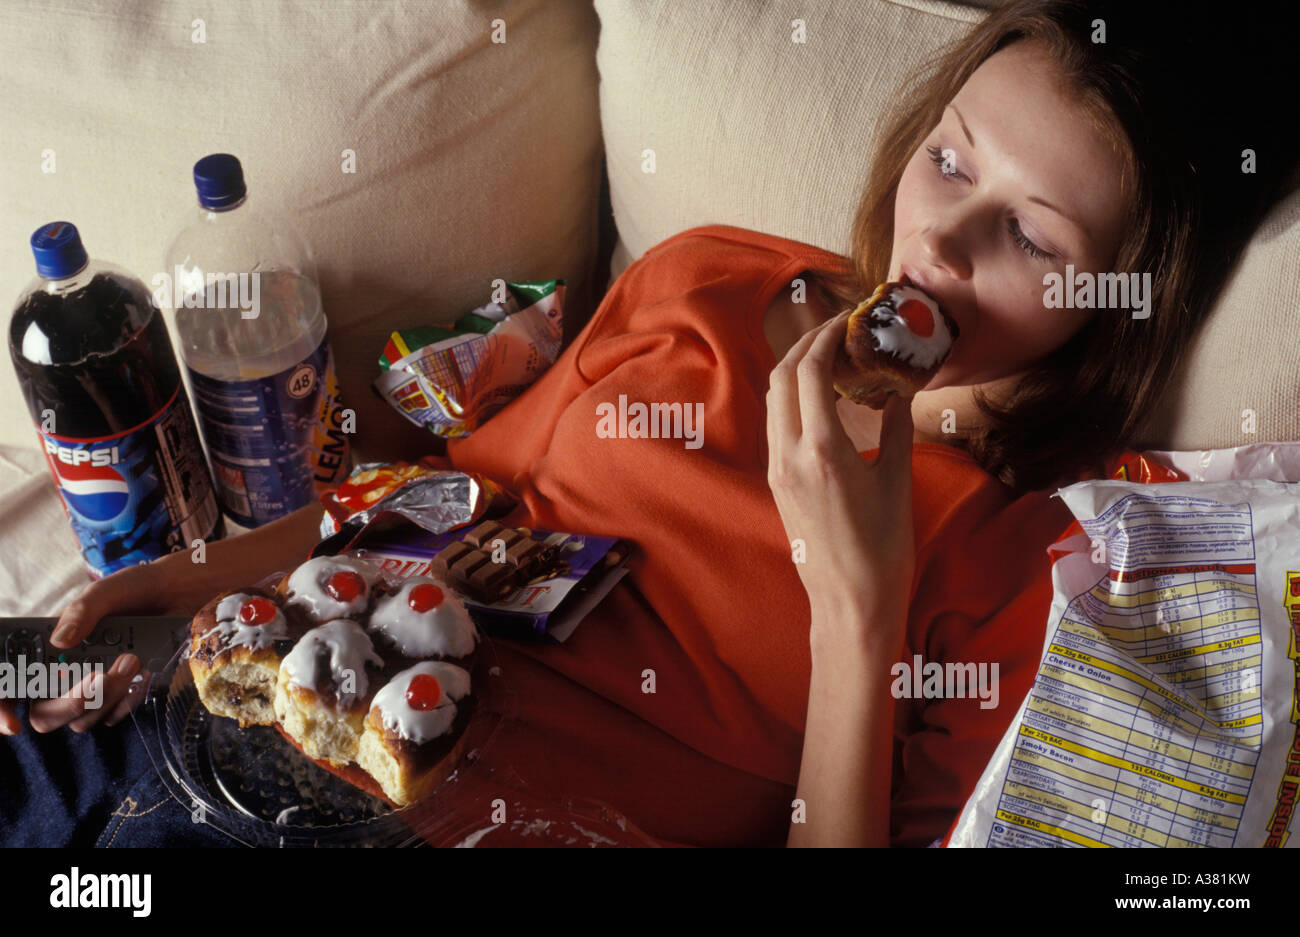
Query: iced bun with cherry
point(414, 728)
point(423, 619)
point(237, 642)
point(895, 343)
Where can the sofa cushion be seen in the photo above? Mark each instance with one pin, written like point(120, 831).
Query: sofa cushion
point(474, 159)
point(1241, 381)
point(747, 127)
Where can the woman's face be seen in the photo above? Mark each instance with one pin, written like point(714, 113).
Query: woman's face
point(1014, 183)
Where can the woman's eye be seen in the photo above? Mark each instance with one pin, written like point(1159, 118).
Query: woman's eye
point(946, 160)
point(1026, 245)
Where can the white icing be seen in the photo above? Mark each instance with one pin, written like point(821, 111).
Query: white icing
point(307, 587)
point(446, 630)
point(349, 651)
point(893, 336)
point(421, 725)
point(234, 633)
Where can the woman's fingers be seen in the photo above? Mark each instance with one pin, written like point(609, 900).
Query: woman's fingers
point(896, 435)
point(117, 685)
point(821, 426)
point(10, 724)
point(87, 702)
point(133, 697)
point(784, 421)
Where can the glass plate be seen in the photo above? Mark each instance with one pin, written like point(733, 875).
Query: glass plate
point(255, 787)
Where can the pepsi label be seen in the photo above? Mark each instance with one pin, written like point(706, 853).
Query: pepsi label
point(135, 496)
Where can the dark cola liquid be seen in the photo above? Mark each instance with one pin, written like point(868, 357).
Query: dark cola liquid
point(104, 363)
point(97, 369)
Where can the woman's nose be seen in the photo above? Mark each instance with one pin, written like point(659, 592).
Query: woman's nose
point(944, 249)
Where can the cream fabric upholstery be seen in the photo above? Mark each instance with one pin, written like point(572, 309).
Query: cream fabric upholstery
point(1247, 356)
point(749, 128)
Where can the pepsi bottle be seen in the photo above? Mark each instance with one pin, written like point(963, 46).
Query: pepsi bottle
point(97, 369)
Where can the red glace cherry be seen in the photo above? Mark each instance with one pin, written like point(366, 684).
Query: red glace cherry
point(258, 611)
point(918, 317)
point(423, 692)
point(345, 586)
point(424, 597)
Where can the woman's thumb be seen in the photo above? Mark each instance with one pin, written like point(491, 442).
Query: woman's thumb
point(80, 616)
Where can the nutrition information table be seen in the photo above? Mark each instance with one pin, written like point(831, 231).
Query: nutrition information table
point(1144, 723)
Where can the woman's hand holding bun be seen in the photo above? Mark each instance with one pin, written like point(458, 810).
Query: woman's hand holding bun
point(854, 517)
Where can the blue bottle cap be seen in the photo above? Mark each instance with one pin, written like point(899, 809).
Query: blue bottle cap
point(58, 250)
point(220, 181)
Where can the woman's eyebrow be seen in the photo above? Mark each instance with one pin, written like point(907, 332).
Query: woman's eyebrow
point(1033, 198)
point(964, 128)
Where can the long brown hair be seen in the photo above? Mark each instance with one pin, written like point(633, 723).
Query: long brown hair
point(1188, 218)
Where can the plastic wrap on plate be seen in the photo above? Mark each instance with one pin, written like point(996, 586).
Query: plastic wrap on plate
point(452, 380)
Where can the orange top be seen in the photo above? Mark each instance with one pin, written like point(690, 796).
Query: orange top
point(712, 604)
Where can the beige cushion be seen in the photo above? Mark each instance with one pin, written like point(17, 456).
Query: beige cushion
point(475, 159)
point(752, 130)
point(1247, 356)
point(747, 127)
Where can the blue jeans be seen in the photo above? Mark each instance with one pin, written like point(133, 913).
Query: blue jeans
point(98, 788)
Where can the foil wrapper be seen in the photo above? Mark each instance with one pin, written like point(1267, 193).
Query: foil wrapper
point(388, 494)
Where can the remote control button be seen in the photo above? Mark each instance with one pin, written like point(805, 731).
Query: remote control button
point(26, 644)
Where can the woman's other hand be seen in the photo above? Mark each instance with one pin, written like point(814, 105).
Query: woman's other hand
point(171, 585)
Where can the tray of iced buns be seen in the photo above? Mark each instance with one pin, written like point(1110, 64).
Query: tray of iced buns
point(355, 671)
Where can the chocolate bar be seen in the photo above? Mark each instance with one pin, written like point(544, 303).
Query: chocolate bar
point(474, 566)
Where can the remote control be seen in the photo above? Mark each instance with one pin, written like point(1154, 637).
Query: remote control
point(151, 638)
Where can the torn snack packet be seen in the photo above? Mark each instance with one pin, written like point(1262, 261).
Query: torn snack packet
point(451, 380)
point(431, 498)
point(515, 581)
point(1166, 707)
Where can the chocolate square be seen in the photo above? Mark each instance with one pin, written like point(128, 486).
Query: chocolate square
point(447, 558)
point(524, 554)
point(508, 535)
point(465, 566)
point(483, 533)
point(493, 581)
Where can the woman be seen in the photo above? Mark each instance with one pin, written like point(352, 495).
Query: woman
point(720, 681)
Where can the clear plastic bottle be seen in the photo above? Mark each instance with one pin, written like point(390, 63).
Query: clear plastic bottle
point(252, 333)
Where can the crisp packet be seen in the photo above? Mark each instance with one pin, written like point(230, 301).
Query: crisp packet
point(1166, 706)
point(433, 499)
point(453, 380)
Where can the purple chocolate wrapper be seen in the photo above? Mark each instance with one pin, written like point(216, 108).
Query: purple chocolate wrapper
point(550, 608)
